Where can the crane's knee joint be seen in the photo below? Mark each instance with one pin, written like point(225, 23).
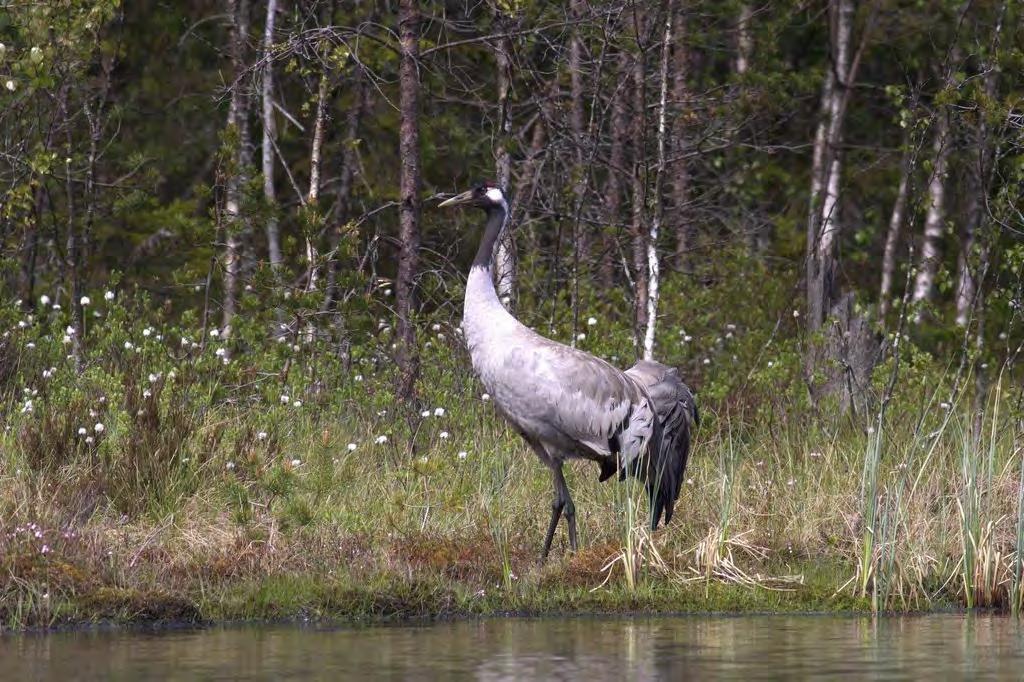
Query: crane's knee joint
point(570, 509)
point(557, 505)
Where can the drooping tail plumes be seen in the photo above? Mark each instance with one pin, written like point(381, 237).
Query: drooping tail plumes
point(669, 447)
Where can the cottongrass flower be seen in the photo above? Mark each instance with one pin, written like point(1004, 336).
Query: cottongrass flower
point(351, 447)
point(296, 462)
point(443, 435)
point(262, 435)
point(109, 296)
point(485, 397)
point(69, 330)
point(945, 405)
point(99, 428)
point(687, 338)
point(463, 454)
point(591, 321)
point(82, 431)
point(285, 400)
point(89, 440)
point(44, 300)
point(796, 313)
point(425, 413)
point(435, 327)
point(153, 377)
point(214, 332)
point(581, 336)
point(147, 331)
point(229, 466)
point(439, 412)
point(221, 352)
point(56, 306)
point(128, 345)
point(358, 377)
point(380, 440)
point(707, 361)
point(85, 300)
point(297, 403)
point(424, 459)
point(147, 393)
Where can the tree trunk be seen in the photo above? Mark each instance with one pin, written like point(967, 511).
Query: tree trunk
point(409, 208)
point(617, 168)
point(238, 119)
point(653, 270)
point(269, 135)
point(576, 116)
point(680, 172)
point(744, 40)
point(892, 236)
point(935, 218)
point(314, 219)
point(823, 223)
point(73, 260)
point(340, 211)
point(977, 189)
point(639, 197)
point(505, 254)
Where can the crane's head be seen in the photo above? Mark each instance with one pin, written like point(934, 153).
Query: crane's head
point(485, 195)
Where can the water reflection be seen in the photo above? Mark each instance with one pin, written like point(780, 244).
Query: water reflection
point(593, 649)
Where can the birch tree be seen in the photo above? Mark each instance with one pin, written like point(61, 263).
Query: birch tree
point(269, 136)
point(892, 235)
point(238, 126)
point(935, 217)
point(823, 222)
point(653, 272)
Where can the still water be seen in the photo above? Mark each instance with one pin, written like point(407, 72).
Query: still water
point(589, 649)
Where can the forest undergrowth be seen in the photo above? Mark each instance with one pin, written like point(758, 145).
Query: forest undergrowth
point(161, 468)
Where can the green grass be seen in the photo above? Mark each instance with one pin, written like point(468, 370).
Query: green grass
point(208, 497)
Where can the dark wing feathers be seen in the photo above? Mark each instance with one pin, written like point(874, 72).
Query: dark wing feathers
point(676, 408)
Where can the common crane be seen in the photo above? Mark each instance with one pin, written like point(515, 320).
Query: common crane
point(567, 403)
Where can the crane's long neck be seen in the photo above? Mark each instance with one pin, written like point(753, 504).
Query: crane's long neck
point(495, 222)
point(484, 316)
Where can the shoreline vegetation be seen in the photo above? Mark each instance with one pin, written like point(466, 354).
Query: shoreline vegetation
point(197, 475)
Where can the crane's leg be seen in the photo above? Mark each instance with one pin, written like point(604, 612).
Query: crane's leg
point(568, 508)
point(556, 513)
point(562, 503)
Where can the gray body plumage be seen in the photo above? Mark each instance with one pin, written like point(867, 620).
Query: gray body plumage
point(569, 404)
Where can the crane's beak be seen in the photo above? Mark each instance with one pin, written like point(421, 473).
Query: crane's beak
point(457, 200)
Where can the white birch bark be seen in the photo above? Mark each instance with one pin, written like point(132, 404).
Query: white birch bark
point(744, 40)
point(315, 156)
point(824, 224)
point(935, 217)
point(269, 135)
point(653, 274)
point(892, 236)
